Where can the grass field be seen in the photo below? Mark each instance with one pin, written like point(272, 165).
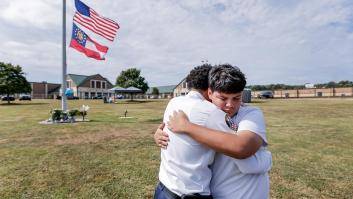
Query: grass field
point(109, 157)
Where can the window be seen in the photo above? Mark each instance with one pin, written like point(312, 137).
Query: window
point(103, 85)
point(68, 84)
point(92, 84)
point(98, 84)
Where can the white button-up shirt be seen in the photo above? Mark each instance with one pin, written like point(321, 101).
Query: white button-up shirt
point(185, 164)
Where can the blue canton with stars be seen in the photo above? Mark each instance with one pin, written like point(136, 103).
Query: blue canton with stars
point(79, 35)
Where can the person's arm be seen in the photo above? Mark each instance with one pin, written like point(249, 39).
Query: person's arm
point(241, 145)
point(161, 138)
point(260, 162)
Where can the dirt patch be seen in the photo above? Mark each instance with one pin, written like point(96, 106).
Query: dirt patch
point(3, 141)
point(14, 119)
point(21, 140)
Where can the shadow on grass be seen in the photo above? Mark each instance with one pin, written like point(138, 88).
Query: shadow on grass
point(154, 120)
point(20, 104)
point(115, 120)
point(136, 102)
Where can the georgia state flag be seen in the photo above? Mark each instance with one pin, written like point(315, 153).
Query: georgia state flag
point(83, 43)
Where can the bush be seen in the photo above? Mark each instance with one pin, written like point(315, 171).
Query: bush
point(74, 112)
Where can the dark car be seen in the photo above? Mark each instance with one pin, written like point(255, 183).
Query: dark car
point(25, 97)
point(265, 94)
point(97, 97)
point(10, 98)
point(73, 98)
point(69, 97)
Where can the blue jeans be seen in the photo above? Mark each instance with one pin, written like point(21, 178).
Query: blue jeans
point(161, 193)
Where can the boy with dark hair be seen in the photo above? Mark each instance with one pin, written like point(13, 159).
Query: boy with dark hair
point(226, 79)
point(229, 181)
point(198, 77)
point(185, 165)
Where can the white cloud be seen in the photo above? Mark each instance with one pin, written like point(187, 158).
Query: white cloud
point(38, 13)
point(273, 42)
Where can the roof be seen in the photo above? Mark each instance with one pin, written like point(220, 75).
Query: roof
point(117, 88)
point(78, 79)
point(162, 89)
point(44, 82)
point(133, 89)
point(130, 89)
point(180, 82)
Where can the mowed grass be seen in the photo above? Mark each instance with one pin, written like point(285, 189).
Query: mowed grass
point(311, 141)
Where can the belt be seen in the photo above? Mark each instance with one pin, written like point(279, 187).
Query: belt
point(168, 192)
point(184, 196)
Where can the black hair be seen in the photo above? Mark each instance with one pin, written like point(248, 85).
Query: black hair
point(198, 77)
point(226, 78)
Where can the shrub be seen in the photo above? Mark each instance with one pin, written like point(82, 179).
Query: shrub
point(56, 114)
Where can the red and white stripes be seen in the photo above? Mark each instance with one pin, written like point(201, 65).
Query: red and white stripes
point(102, 26)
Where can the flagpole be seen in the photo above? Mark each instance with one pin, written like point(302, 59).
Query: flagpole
point(63, 86)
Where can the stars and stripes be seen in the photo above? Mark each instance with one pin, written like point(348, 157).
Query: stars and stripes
point(91, 20)
point(95, 23)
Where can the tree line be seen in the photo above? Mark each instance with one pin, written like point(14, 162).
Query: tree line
point(12, 80)
point(331, 84)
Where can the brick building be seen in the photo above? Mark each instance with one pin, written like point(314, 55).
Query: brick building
point(44, 90)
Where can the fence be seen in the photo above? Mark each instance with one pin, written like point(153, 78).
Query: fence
point(311, 92)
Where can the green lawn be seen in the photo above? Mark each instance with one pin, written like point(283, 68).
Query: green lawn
point(311, 141)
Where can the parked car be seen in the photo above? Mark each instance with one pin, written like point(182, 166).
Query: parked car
point(265, 94)
point(4, 98)
point(69, 98)
point(97, 97)
point(73, 98)
point(25, 97)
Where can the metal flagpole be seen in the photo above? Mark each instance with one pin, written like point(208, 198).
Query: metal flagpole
point(63, 86)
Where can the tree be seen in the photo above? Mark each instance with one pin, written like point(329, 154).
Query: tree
point(12, 80)
point(345, 83)
point(155, 91)
point(131, 77)
point(331, 84)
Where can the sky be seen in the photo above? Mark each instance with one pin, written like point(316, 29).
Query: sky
point(289, 42)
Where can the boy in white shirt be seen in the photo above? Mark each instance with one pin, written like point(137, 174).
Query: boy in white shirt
point(185, 166)
point(232, 177)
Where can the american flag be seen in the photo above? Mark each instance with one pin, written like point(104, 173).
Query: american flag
point(91, 20)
